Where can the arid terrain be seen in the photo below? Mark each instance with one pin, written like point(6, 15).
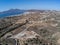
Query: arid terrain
point(33, 27)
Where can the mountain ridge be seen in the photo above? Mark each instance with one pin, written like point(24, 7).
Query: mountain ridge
point(11, 12)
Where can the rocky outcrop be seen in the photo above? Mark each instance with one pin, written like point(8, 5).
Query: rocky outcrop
point(29, 38)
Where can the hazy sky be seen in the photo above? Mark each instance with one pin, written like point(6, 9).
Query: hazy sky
point(30, 4)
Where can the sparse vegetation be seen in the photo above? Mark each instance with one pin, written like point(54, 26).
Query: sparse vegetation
point(44, 24)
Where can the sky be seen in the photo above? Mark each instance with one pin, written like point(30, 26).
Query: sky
point(30, 4)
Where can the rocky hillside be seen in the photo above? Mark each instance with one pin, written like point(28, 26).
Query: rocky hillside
point(44, 25)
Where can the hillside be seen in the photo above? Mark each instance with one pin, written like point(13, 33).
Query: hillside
point(34, 27)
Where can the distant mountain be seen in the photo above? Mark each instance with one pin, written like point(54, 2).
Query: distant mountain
point(18, 11)
point(11, 12)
